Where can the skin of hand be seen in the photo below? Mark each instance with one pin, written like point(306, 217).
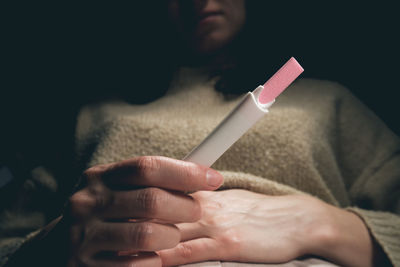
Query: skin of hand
point(238, 225)
point(128, 210)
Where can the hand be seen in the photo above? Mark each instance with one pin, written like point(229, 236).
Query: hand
point(128, 209)
point(242, 226)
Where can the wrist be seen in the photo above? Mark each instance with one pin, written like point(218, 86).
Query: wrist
point(343, 238)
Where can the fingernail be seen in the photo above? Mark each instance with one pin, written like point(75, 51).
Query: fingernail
point(214, 178)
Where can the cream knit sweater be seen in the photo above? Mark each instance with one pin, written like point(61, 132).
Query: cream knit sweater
point(317, 139)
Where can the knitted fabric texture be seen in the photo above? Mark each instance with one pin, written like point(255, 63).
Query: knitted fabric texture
point(317, 139)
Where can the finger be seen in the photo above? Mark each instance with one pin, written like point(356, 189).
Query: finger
point(146, 259)
point(191, 231)
point(161, 172)
point(144, 236)
point(152, 203)
point(197, 250)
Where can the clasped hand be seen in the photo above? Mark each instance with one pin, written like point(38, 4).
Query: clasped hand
point(136, 213)
point(128, 210)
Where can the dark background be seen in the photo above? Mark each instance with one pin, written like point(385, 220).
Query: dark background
point(55, 55)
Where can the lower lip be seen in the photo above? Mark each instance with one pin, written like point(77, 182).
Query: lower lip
point(209, 19)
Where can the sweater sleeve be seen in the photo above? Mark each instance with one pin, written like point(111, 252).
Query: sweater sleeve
point(369, 156)
point(29, 206)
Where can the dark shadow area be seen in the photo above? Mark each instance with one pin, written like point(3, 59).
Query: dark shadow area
point(58, 56)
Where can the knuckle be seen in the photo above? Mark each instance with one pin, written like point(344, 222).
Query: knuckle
point(93, 199)
point(100, 195)
point(80, 204)
point(140, 235)
point(232, 239)
point(216, 220)
point(146, 165)
point(184, 250)
point(152, 200)
point(191, 173)
point(102, 201)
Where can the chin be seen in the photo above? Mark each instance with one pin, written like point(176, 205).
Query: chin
point(211, 43)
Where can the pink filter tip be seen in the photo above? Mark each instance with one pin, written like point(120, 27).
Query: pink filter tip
point(280, 81)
